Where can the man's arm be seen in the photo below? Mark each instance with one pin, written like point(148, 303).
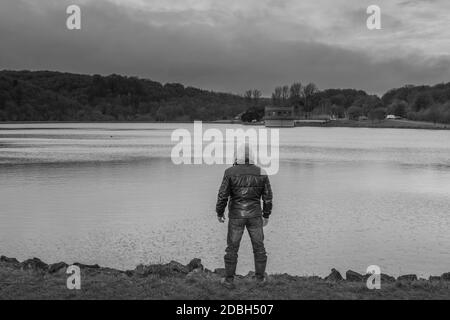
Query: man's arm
point(267, 198)
point(222, 197)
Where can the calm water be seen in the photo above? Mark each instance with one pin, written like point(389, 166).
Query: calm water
point(109, 194)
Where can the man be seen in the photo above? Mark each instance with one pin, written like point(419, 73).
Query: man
point(243, 187)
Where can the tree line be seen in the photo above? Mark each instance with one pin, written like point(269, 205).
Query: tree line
point(57, 96)
point(419, 103)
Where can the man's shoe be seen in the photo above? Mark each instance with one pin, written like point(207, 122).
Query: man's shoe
point(227, 284)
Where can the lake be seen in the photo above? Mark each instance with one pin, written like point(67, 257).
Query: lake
point(344, 198)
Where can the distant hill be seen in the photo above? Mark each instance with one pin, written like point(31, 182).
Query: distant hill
point(56, 96)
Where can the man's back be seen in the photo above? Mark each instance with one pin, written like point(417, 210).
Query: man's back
point(245, 185)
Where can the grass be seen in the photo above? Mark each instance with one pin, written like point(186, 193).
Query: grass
point(165, 283)
point(393, 124)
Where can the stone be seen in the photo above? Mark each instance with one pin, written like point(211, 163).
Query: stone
point(171, 268)
point(383, 277)
point(175, 266)
point(387, 278)
point(407, 277)
point(195, 264)
point(55, 267)
point(353, 276)
point(9, 260)
point(288, 277)
point(334, 276)
point(220, 271)
point(87, 266)
point(140, 270)
point(34, 265)
point(129, 273)
point(446, 276)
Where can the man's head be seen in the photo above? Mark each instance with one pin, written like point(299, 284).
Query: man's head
point(245, 154)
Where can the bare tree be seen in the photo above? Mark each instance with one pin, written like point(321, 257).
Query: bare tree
point(256, 95)
point(308, 91)
point(295, 96)
point(295, 91)
point(285, 93)
point(276, 95)
point(248, 95)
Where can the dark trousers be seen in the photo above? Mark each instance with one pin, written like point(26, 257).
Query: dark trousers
point(255, 230)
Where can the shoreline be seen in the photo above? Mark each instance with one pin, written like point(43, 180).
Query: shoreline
point(383, 124)
point(34, 279)
point(388, 124)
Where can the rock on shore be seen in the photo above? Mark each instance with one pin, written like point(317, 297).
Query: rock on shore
point(36, 279)
point(195, 265)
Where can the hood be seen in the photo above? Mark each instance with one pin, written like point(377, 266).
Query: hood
point(244, 154)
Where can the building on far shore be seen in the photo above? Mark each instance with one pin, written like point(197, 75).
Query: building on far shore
point(279, 116)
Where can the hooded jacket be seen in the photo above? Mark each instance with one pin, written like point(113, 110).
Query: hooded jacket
point(243, 187)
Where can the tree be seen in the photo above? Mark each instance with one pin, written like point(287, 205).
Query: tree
point(295, 92)
point(323, 107)
point(398, 108)
point(44, 95)
point(338, 99)
point(377, 114)
point(285, 93)
point(354, 112)
point(368, 103)
point(308, 91)
point(276, 96)
point(295, 96)
point(248, 95)
point(434, 114)
point(253, 114)
point(256, 94)
point(337, 111)
point(422, 101)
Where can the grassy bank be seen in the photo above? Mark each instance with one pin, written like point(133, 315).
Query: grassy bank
point(392, 124)
point(33, 279)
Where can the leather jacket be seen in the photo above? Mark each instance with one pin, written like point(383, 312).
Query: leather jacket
point(243, 187)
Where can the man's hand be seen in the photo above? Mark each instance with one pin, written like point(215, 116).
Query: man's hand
point(265, 222)
point(221, 219)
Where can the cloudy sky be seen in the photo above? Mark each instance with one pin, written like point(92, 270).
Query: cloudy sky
point(234, 45)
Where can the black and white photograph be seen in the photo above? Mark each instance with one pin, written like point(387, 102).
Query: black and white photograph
point(237, 151)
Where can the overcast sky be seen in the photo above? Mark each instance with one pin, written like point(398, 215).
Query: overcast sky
point(234, 45)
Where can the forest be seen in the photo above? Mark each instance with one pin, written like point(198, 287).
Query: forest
point(57, 96)
point(417, 103)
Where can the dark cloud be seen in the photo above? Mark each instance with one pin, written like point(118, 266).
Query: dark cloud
point(219, 56)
